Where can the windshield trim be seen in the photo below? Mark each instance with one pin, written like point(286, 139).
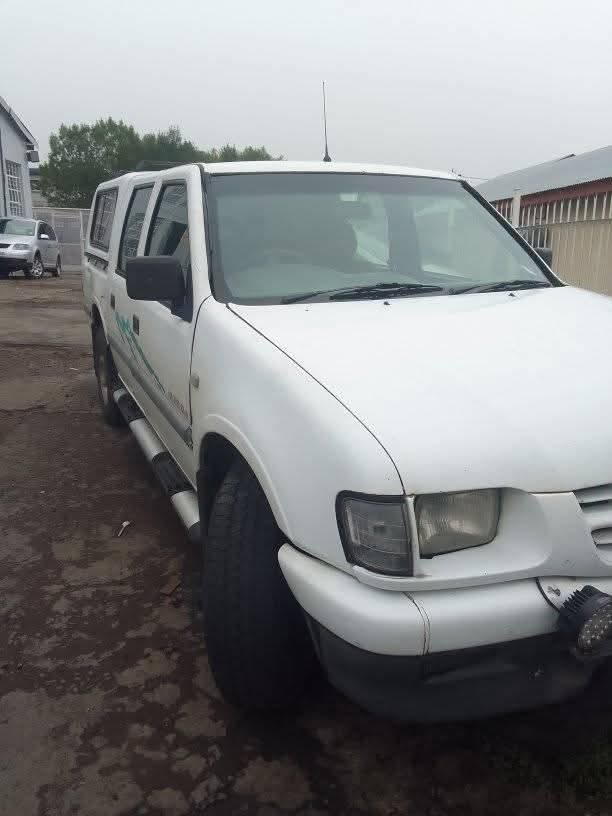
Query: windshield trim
point(218, 287)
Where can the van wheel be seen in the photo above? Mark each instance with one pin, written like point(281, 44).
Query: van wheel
point(106, 375)
point(58, 268)
point(258, 644)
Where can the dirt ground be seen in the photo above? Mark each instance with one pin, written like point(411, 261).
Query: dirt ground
point(107, 705)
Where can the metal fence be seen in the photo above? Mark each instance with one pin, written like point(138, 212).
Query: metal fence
point(581, 250)
point(578, 230)
point(70, 226)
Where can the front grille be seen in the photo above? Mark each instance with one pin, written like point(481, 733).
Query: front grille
point(596, 504)
point(4, 246)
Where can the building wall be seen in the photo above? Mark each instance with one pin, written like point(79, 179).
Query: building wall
point(576, 223)
point(14, 149)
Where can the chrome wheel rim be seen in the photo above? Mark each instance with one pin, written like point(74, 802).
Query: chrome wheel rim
point(37, 268)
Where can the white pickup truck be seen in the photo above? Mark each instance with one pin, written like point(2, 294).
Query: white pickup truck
point(384, 418)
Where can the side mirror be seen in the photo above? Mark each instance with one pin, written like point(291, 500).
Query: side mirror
point(545, 254)
point(155, 278)
point(44, 236)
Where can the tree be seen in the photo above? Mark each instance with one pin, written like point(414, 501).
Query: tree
point(168, 146)
point(82, 156)
point(229, 153)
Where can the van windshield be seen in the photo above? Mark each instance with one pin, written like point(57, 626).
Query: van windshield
point(16, 226)
point(287, 237)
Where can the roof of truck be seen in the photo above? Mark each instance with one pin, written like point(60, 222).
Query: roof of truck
point(225, 168)
point(321, 167)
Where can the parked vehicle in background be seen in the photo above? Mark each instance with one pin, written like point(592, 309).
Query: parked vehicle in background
point(29, 246)
point(381, 416)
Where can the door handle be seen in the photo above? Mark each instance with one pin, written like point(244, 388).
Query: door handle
point(112, 299)
point(135, 324)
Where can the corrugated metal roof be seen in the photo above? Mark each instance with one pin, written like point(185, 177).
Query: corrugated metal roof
point(565, 172)
point(17, 122)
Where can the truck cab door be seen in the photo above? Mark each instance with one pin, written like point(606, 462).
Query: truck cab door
point(160, 335)
point(123, 342)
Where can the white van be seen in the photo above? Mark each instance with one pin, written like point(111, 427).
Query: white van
point(383, 417)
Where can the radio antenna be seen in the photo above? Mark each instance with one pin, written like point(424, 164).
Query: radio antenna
point(326, 157)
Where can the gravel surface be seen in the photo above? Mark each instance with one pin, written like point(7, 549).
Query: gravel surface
point(107, 705)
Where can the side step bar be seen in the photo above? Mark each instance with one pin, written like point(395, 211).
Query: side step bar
point(170, 476)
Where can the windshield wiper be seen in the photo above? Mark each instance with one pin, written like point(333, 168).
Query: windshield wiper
point(502, 286)
point(375, 290)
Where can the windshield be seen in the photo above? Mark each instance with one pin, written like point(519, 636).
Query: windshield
point(318, 236)
point(16, 226)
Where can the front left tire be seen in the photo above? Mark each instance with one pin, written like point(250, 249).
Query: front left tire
point(37, 270)
point(258, 645)
point(58, 268)
point(106, 376)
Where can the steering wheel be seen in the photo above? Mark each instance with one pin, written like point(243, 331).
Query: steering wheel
point(281, 254)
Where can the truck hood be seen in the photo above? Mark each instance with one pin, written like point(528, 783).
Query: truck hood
point(467, 391)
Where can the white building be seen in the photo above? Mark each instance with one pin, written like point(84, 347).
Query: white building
point(17, 148)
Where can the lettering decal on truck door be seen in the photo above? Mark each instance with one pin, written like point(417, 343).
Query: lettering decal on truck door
point(138, 355)
point(127, 335)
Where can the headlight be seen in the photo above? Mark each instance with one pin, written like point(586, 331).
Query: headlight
point(454, 521)
point(20, 246)
point(375, 533)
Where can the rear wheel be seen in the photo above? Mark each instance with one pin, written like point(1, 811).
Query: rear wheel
point(58, 268)
point(258, 644)
point(106, 376)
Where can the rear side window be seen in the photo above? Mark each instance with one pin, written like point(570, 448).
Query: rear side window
point(102, 221)
point(132, 226)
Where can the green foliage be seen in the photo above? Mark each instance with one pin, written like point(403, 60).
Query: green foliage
point(168, 146)
point(229, 153)
point(82, 156)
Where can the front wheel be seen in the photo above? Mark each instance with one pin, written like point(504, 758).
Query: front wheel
point(58, 268)
point(258, 644)
point(106, 376)
point(37, 269)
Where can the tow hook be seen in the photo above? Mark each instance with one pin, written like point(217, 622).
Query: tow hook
point(586, 618)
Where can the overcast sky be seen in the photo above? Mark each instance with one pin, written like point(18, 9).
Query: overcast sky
point(479, 86)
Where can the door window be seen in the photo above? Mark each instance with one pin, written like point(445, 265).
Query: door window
point(50, 232)
point(133, 226)
point(169, 233)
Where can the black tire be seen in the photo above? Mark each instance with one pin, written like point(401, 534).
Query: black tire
point(57, 270)
point(106, 376)
point(259, 649)
point(37, 272)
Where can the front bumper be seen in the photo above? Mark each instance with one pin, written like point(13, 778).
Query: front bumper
point(463, 684)
point(436, 654)
point(15, 261)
